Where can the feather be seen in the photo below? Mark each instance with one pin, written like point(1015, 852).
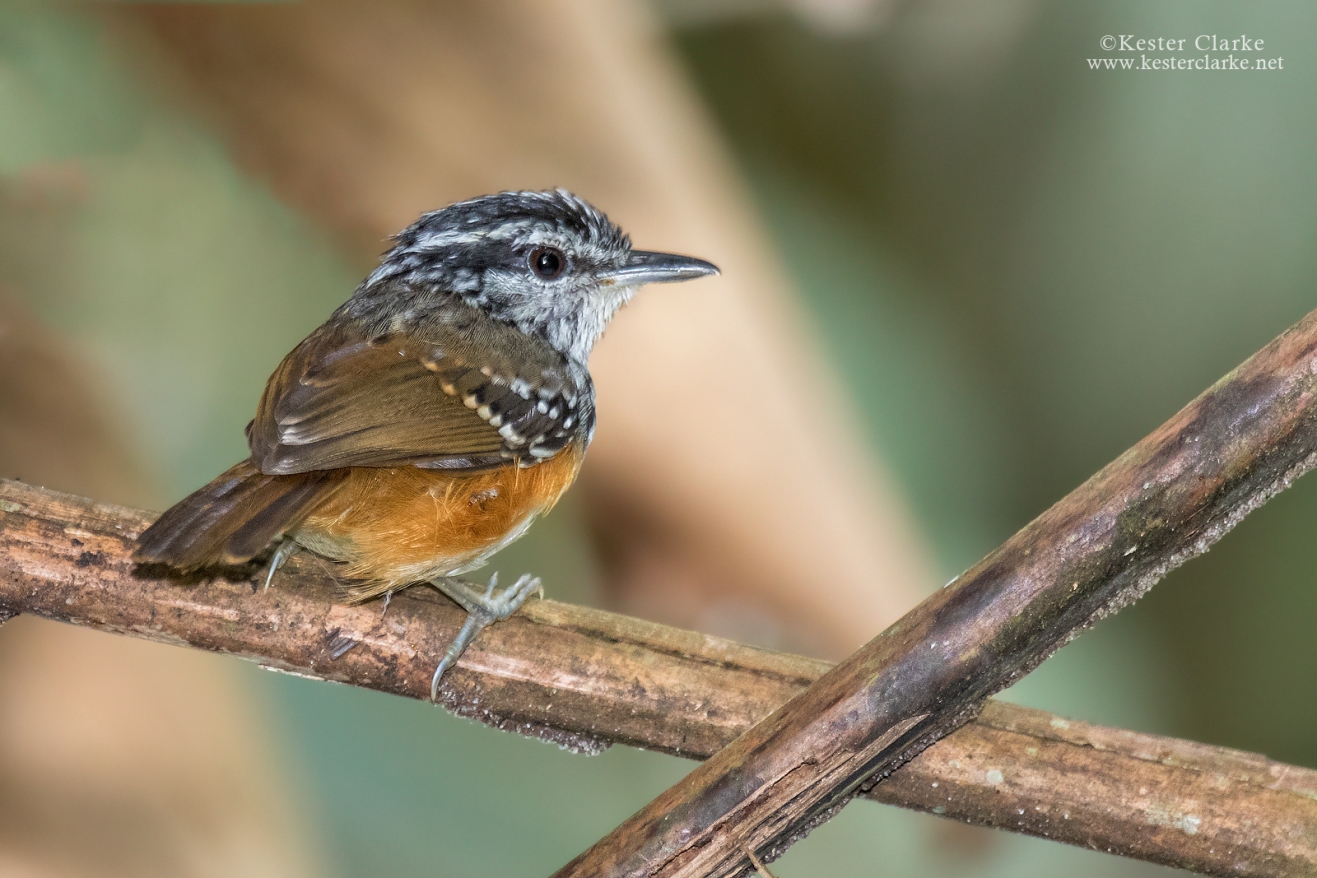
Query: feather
point(455, 396)
point(232, 519)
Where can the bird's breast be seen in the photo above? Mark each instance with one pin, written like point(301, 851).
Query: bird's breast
point(396, 526)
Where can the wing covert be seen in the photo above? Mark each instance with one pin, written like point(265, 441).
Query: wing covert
point(340, 399)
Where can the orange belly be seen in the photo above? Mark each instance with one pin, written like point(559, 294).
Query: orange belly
point(394, 527)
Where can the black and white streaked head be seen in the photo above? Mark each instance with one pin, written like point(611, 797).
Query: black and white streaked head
point(546, 262)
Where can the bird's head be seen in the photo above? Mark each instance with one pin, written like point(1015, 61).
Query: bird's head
point(547, 262)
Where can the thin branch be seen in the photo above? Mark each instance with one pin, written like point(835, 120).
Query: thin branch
point(1097, 550)
point(760, 869)
point(586, 678)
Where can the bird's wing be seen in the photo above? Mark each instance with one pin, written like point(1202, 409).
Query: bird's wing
point(448, 401)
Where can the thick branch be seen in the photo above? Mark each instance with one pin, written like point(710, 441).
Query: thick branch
point(586, 678)
point(1162, 502)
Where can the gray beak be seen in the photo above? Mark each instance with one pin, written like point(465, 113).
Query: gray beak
point(645, 267)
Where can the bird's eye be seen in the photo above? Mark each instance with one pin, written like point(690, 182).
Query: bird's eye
point(547, 262)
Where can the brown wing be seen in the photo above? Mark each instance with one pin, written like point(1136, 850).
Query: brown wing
point(448, 401)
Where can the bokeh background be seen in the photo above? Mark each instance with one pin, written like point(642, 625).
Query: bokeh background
point(1011, 267)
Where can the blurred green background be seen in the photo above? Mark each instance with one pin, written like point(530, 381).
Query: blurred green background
point(1019, 264)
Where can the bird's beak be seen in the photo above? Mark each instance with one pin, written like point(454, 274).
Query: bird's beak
point(645, 267)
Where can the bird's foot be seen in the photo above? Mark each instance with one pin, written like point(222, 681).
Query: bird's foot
point(286, 550)
point(482, 609)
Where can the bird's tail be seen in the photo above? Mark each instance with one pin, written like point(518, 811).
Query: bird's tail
point(232, 519)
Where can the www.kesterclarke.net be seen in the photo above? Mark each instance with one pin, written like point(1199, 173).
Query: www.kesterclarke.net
point(1201, 52)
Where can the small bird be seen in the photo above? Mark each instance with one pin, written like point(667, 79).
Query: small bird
point(436, 414)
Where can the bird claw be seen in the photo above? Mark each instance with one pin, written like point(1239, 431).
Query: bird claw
point(483, 610)
point(285, 551)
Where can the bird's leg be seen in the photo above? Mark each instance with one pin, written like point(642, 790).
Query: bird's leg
point(388, 598)
point(285, 551)
point(482, 610)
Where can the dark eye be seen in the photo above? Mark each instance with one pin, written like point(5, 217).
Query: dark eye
point(547, 262)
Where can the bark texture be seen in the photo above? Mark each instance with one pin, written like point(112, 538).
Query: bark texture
point(1164, 501)
point(586, 678)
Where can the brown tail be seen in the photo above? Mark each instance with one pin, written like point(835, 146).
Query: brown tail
point(234, 518)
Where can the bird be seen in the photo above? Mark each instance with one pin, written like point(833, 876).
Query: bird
point(436, 414)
